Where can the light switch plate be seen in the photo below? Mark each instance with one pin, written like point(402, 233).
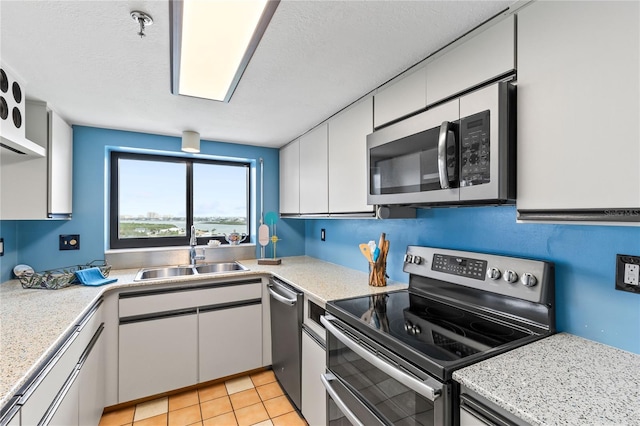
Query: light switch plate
point(1, 246)
point(628, 273)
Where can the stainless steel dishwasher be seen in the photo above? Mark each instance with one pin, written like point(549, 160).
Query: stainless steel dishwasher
point(286, 337)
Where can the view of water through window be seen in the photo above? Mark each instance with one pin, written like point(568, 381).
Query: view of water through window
point(153, 199)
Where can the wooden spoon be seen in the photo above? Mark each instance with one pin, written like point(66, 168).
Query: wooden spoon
point(366, 251)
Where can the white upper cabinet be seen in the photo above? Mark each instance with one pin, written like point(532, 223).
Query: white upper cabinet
point(39, 187)
point(578, 108)
point(401, 97)
point(484, 56)
point(290, 178)
point(348, 159)
point(314, 183)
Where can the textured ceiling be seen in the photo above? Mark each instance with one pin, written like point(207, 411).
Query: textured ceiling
point(85, 59)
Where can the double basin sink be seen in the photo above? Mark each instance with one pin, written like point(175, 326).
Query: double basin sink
point(185, 271)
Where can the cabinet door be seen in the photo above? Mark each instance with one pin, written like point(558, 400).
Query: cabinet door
point(64, 410)
point(157, 355)
point(402, 97)
point(92, 383)
point(46, 180)
point(578, 105)
point(290, 178)
point(484, 56)
point(230, 341)
point(60, 156)
point(348, 159)
point(314, 183)
point(314, 396)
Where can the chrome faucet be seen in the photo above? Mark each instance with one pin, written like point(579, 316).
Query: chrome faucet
point(193, 254)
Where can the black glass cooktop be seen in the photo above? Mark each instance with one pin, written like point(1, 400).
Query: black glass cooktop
point(440, 331)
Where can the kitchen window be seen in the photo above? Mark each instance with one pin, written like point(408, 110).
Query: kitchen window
point(155, 200)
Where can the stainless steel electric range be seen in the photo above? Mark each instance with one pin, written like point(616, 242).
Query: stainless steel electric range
point(390, 356)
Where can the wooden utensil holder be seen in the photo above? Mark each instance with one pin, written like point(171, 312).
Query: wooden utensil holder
point(377, 274)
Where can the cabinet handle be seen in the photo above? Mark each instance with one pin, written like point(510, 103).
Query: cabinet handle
point(442, 154)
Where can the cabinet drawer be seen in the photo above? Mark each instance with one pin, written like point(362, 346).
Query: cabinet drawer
point(170, 299)
point(39, 394)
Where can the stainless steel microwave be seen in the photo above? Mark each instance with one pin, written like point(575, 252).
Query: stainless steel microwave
point(459, 152)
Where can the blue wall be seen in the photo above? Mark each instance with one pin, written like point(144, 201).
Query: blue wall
point(36, 242)
point(585, 258)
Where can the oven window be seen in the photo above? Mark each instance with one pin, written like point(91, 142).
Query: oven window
point(389, 399)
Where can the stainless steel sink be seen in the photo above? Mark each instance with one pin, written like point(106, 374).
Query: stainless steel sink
point(184, 271)
point(213, 268)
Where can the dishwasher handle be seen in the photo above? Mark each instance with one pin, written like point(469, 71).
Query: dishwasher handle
point(280, 298)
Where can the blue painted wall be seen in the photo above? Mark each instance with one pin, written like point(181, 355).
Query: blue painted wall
point(36, 242)
point(585, 257)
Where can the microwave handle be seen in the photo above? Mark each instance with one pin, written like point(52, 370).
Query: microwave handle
point(442, 154)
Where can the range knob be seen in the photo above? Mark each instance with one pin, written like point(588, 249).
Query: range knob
point(408, 258)
point(417, 260)
point(494, 273)
point(411, 329)
point(510, 276)
point(528, 279)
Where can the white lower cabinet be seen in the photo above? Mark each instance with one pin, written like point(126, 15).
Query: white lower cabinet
point(92, 384)
point(64, 410)
point(314, 397)
point(230, 340)
point(174, 337)
point(52, 396)
point(157, 354)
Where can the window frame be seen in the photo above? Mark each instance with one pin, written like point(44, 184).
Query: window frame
point(115, 242)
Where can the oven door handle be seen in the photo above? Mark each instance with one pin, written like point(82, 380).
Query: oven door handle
point(442, 154)
point(326, 379)
point(430, 388)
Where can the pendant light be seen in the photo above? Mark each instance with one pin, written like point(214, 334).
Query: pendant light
point(190, 141)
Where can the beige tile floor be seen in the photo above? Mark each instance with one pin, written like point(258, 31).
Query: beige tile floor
point(257, 399)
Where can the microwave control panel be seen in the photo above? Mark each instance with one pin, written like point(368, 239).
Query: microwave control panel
point(475, 144)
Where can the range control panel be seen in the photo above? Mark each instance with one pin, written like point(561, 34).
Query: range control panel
point(462, 266)
point(527, 279)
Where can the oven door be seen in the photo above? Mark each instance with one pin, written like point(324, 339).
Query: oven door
point(415, 160)
point(368, 384)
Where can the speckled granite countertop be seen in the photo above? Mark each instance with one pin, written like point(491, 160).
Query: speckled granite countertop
point(561, 380)
point(33, 322)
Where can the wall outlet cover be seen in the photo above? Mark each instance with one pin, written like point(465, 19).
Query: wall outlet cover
point(628, 273)
point(70, 242)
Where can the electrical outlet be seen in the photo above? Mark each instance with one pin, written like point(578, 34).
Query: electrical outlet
point(70, 242)
point(323, 234)
point(1, 246)
point(631, 274)
point(628, 273)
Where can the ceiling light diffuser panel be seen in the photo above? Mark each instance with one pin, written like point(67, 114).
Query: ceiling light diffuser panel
point(212, 43)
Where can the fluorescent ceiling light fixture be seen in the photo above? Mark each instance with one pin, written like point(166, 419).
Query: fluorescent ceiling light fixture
point(212, 42)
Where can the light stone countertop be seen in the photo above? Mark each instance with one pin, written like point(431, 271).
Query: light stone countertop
point(33, 322)
point(561, 380)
